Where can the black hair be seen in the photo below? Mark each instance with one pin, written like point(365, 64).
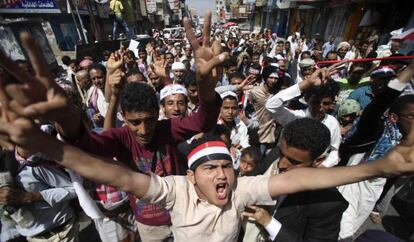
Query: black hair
point(267, 71)
point(221, 130)
point(131, 54)
point(66, 60)
point(138, 97)
point(358, 64)
point(96, 66)
point(329, 89)
point(135, 71)
point(253, 152)
point(280, 42)
point(400, 104)
point(189, 79)
point(106, 53)
point(331, 52)
point(305, 53)
point(230, 62)
point(307, 134)
point(237, 74)
point(256, 67)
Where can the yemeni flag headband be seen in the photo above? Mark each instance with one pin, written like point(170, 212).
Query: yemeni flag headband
point(211, 150)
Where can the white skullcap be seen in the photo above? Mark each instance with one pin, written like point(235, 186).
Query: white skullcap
point(228, 93)
point(307, 62)
point(342, 45)
point(177, 66)
point(173, 89)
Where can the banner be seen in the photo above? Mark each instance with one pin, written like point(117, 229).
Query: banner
point(29, 6)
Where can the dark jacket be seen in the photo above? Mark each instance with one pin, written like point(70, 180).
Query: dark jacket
point(312, 216)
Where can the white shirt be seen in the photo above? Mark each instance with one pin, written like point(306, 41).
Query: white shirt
point(239, 134)
point(284, 116)
point(101, 103)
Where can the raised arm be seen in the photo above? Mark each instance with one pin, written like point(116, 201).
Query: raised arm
point(208, 60)
point(115, 81)
point(38, 96)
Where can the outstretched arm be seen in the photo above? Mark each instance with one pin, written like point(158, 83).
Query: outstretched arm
point(24, 133)
point(398, 161)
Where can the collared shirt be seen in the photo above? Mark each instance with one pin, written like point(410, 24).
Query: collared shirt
point(56, 189)
point(238, 135)
point(194, 219)
point(328, 46)
point(284, 116)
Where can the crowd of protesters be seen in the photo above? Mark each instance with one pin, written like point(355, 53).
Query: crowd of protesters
point(202, 138)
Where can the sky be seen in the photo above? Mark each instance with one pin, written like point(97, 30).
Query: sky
point(201, 5)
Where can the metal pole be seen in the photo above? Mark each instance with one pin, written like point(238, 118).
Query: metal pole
point(81, 23)
point(80, 36)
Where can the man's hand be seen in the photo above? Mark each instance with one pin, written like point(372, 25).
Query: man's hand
point(114, 76)
point(258, 214)
point(37, 96)
point(116, 82)
point(207, 60)
point(160, 68)
point(115, 62)
point(247, 83)
point(322, 75)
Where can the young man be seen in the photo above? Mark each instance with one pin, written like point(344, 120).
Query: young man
point(229, 113)
point(268, 129)
point(309, 215)
point(144, 143)
point(320, 100)
point(191, 85)
point(207, 204)
point(174, 100)
point(239, 136)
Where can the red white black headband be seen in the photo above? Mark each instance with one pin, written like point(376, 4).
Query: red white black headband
point(211, 150)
